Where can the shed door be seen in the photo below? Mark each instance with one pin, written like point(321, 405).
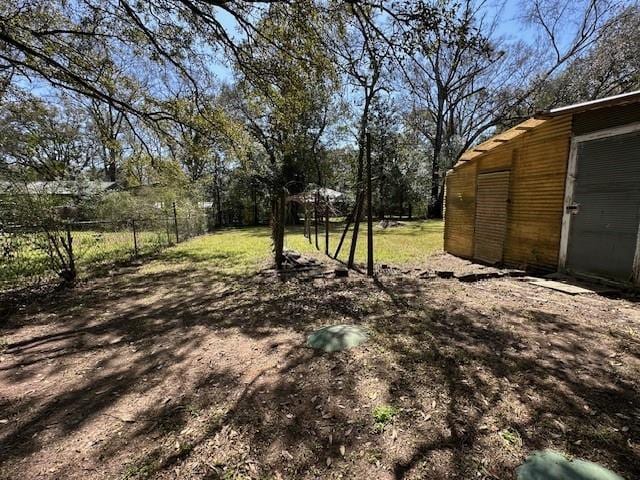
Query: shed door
point(491, 216)
point(605, 212)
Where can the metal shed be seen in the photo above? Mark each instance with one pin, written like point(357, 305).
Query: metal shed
point(560, 191)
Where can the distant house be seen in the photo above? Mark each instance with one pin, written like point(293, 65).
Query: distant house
point(64, 194)
point(560, 191)
point(323, 194)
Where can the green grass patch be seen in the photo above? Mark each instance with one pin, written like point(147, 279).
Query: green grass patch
point(383, 415)
point(29, 257)
point(230, 251)
point(413, 242)
point(511, 437)
point(235, 251)
point(242, 251)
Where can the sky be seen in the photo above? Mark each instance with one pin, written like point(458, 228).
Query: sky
point(510, 26)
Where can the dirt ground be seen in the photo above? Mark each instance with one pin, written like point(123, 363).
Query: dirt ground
point(173, 370)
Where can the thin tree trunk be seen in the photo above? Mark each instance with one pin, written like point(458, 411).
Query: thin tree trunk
point(315, 219)
point(111, 168)
point(349, 219)
point(326, 226)
point(358, 213)
point(254, 196)
point(278, 202)
point(369, 211)
point(435, 204)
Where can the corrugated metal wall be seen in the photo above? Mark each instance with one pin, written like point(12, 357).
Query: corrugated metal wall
point(538, 162)
point(492, 194)
point(604, 230)
point(537, 195)
point(460, 210)
point(600, 119)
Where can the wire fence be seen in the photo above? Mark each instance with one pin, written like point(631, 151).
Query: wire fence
point(38, 254)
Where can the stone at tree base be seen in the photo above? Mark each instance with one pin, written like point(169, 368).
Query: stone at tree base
point(341, 272)
point(550, 465)
point(444, 274)
point(337, 337)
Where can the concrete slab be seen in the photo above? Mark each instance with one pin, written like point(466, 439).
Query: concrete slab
point(570, 285)
point(560, 286)
point(337, 337)
point(550, 465)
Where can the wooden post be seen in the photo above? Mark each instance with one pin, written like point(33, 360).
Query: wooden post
point(326, 226)
point(72, 273)
point(315, 217)
point(304, 228)
point(175, 220)
point(346, 227)
point(369, 211)
point(308, 219)
point(135, 238)
point(356, 228)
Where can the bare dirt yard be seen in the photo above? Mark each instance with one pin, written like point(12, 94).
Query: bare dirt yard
point(182, 369)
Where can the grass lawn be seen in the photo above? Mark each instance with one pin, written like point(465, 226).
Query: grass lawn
point(194, 365)
point(243, 249)
point(91, 248)
point(235, 250)
point(410, 243)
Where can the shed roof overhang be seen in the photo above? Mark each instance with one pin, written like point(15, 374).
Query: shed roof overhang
point(500, 139)
point(622, 99)
point(542, 117)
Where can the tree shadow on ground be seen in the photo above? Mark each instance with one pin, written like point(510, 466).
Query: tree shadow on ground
point(192, 372)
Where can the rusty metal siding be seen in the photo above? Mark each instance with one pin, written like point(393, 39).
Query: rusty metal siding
point(460, 210)
point(537, 162)
point(603, 118)
point(537, 195)
point(492, 196)
point(603, 233)
point(496, 160)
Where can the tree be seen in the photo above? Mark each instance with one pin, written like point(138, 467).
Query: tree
point(465, 81)
point(285, 84)
point(39, 141)
point(173, 39)
point(363, 54)
point(610, 67)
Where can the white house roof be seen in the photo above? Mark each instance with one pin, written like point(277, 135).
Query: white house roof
point(57, 187)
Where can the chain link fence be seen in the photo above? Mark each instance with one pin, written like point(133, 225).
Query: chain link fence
point(40, 254)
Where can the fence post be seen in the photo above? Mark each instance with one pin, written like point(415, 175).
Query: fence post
point(135, 238)
point(166, 223)
point(326, 225)
point(72, 260)
point(175, 222)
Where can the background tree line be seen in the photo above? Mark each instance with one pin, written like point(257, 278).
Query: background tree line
point(241, 104)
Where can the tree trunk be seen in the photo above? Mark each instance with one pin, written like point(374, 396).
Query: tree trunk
point(435, 202)
point(369, 211)
point(278, 203)
point(254, 197)
point(315, 219)
point(110, 162)
point(360, 175)
point(219, 213)
point(381, 192)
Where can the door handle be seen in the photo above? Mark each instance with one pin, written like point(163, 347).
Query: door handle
point(573, 209)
